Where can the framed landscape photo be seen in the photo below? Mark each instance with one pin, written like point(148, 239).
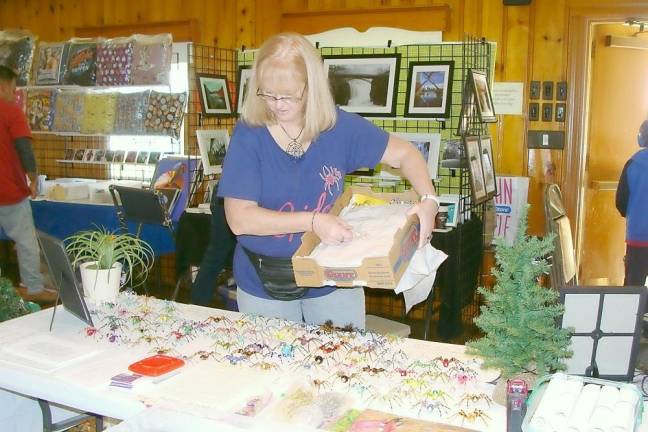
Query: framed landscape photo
point(483, 98)
point(428, 144)
point(488, 166)
point(429, 90)
point(244, 74)
point(364, 84)
point(214, 95)
point(473, 154)
point(213, 146)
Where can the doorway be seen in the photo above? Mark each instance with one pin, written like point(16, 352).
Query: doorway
point(618, 104)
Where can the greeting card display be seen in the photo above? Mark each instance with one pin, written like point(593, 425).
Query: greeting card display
point(69, 111)
point(99, 114)
point(114, 62)
point(16, 52)
point(40, 104)
point(151, 59)
point(52, 63)
point(130, 113)
point(82, 64)
point(164, 113)
point(175, 173)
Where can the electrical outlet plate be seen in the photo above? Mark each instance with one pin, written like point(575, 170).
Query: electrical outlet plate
point(547, 90)
point(534, 111)
point(561, 90)
point(543, 139)
point(534, 90)
point(560, 112)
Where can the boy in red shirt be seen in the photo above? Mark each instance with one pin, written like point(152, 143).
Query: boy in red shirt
point(16, 163)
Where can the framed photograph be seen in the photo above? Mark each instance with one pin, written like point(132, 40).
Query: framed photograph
point(451, 201)
point(244, 74)
point(486, 149)
point(430, 89)
point(364, 84)
point(483, 98)
point(213, 146)
point(451, 157)
point(154, 157)
point(428, 144)
point(214, 95)
point(142, 157)
point(131, 156)
point(467, 113)
point(69, 154)
point(99, 156)
point(109, 156)
point(119, 156)
point(89, 155)
point(473, 154)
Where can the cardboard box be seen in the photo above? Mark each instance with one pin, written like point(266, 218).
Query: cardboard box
point(376, 272)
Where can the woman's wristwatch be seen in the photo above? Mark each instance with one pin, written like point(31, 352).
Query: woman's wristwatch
point(431, 197)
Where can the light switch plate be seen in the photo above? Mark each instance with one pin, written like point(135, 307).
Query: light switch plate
point(542, 139)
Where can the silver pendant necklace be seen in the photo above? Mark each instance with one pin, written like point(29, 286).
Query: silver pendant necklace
point(294, 147)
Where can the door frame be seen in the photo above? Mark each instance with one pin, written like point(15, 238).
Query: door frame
point(579, 48)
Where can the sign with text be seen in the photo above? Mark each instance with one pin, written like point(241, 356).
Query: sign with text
point(513, 194)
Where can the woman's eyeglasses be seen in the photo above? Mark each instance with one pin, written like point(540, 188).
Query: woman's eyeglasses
point(288, 99)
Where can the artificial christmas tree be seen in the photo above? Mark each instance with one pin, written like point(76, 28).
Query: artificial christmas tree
point(519, 315)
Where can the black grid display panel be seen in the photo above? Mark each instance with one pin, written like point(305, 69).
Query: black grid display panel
point(208, 60)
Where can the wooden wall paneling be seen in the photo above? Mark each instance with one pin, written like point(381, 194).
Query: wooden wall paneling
point(420, 18)
point(470, 13)
point(546, 48)
point(182, 31)
point(268, 20)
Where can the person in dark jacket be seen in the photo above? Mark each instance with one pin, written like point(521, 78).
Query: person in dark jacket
point(632, 203)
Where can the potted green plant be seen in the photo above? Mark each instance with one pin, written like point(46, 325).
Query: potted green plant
point(109, 260)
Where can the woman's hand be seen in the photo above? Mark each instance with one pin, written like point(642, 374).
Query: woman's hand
point(331, 229)
point(426, 211)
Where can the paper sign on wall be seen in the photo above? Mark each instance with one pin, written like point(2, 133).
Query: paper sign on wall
point(507, 97)
point(513, 194)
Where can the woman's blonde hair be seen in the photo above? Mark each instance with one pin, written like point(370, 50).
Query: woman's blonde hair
point(283, 60)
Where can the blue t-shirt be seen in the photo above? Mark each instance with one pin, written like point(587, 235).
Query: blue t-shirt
point(257, 169)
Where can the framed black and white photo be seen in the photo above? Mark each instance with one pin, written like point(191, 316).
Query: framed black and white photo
point(483, 98)
point(430, 89)
point(473, 154)
point(214, 95)
point(486, 150)
point(364, 84)
point(451, 202)
point(213, 146)
point(467, 113)
point(244, 74)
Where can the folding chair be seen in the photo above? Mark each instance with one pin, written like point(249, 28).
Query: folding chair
point(143, 206)
point(563, 262)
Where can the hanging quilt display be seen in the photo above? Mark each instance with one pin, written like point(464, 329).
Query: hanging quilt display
point(151, 59)
point(16, 52)
point(82, 63)
point(114, 61)
point(164, 113)
point(40, 104)
point(130, 112)
point(99, 113)
point(52, 63)
point(68, 111)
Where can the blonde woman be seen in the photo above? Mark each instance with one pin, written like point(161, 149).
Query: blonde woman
point(283, 171)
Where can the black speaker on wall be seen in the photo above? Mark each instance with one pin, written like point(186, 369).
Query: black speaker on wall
point(516, 2)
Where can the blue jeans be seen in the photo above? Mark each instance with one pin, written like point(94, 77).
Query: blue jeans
point(18, 224)
point(343, 306)
point(217, 255)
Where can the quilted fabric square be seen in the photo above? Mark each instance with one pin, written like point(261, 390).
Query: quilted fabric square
point(82, 64)
point(130, 113)
point(114, 61)
point(99, 113)
point(17, 54)
point(40, 107)
point(151, 63)
point(164, 113)
point(68, 111)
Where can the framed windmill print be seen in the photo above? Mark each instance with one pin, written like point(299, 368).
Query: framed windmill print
point(364, 84)
point(430, 89)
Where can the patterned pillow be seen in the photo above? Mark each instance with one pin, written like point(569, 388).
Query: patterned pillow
point(82, 64)
point(40, 107)
point(17, 54)
point(164, 113)
point(114, 61)
point(99, 113)
point(69, 111)
point(131, 109)
point(151, 63)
